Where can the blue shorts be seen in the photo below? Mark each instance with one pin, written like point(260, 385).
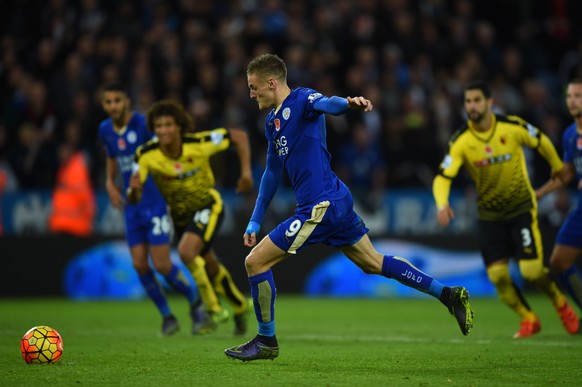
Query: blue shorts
point(330, 222)
point(571, 231)
point(148, 225)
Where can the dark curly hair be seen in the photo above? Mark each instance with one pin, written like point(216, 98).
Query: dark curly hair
point(172, 109)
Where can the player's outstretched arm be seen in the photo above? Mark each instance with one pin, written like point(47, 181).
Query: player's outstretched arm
point(240, 139)
point(113, 192)
point(559, 179)
point(360, 103)
point(267, 189)
point(441, 188)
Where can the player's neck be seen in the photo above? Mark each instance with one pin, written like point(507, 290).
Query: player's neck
point(281, 96)
point(485, 124)
point(122, 124)
point(172, 150)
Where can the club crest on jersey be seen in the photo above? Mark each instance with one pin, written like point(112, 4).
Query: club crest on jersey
point(277, 123)
point(502, 140)
point(131, 137)
point(286, 113)
point(121, 144)
point(579, 143)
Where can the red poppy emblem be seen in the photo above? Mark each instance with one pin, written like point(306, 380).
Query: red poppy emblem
point(488, 149)
point(178, 167)
point(121, 144)
point(277, 124)
point(579, 143)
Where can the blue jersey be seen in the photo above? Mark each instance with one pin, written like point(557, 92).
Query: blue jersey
point(296, 136)
point(572, 145)
point(571, 231)
point(147, 220)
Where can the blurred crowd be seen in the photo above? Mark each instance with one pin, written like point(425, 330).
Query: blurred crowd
point(412, 58)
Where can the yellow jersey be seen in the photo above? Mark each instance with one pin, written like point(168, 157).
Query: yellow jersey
point(495, 161)
point(186, 182)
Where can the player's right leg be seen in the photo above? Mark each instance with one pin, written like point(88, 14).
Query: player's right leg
point(258, 264)
point(189, 249)
point(154, 290)
point(563, 262)
point(511, 296)
point(567, 250)
point(224, 286)
point(533, 269)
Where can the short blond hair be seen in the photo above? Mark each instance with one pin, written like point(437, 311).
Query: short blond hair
point(267, 65)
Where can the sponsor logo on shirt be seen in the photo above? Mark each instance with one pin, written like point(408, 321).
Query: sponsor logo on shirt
point(492, 160)
point(281, 146)
point(180, 176)
point(125, 163)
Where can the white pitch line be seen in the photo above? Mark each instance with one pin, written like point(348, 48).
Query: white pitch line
point(406, 339)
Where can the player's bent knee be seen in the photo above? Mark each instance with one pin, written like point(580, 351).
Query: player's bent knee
point(250, 263)
point(186, 255)
point(558, 264)
point(532, 270)
point(499, 274)
point(368, 269)
point(163, 267)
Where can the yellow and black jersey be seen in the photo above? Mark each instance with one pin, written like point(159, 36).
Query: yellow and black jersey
point(495, 161)
point(187, 182)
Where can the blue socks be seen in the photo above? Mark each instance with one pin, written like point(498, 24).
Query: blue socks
point(264, 293)
point(404, 272)
point(178, 280)
point(155, 292)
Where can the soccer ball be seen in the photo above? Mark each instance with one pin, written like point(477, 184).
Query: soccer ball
point(41, 345)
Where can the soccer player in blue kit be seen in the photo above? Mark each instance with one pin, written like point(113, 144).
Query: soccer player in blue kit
point(296, 136)
point(568, 245)
point(147, 224)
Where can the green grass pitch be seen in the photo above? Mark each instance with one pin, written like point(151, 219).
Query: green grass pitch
point(324, 342)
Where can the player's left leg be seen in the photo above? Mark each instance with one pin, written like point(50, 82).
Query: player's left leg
point(567, 250)
point(154, 290)
point(531, 265)
point(456, 298)
point(563, 262)
point(224, 286)
point(263, 291)
point(173, 274)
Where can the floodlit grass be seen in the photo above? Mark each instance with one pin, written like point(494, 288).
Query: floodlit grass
point(324, 342)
